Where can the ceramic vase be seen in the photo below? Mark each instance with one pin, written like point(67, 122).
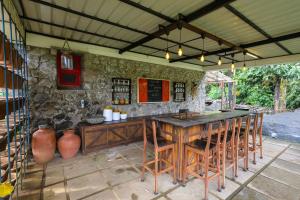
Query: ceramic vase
point(68, 144)
point(43, 144)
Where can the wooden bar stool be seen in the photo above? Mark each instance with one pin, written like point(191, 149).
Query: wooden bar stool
point(256, 128)
point(207, 155)
point(241, 142)
point(161, 147)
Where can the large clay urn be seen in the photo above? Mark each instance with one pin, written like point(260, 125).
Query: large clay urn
point(43, 144)
point(68, 144)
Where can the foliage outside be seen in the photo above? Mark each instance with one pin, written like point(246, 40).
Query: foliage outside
point(258, 85)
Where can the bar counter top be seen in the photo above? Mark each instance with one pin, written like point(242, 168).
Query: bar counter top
point(200, 119)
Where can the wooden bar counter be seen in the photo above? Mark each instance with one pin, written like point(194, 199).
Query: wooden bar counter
point(187, 129)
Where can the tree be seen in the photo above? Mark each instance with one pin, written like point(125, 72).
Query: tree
point(274, 86)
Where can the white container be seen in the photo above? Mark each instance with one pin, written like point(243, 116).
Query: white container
point(107, 114)
point(123, 116)
point(116, 116)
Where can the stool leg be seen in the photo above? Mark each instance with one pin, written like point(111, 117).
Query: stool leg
point(245, 153)
point(174, 166)
point(260, 143)
point(236, 159)
point(232, 156)
point(206, 176)
point(218, 170)
point(254, 147)
point(156, 173)
point(223, 168)
point(144, 162)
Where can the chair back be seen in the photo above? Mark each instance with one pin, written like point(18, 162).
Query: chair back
point(220, 128)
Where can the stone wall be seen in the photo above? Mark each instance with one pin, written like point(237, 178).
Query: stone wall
point(61, 108)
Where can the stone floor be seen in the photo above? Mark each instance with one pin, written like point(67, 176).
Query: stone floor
point(113, 174)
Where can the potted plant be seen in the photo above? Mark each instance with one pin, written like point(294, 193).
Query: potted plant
point(107, 113)
point(123, 115)
point(116, 114)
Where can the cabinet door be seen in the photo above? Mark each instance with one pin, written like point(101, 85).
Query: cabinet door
point(117, 135)
point(135, 131)
point(95, 137)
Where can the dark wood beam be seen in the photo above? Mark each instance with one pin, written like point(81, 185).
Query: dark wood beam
point(188, 18)
point(245, 46)
point(148, 10)
point(254, 26)
point(84, 42)
point(110, 23)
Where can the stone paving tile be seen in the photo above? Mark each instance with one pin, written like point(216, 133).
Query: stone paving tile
point(271, 149)
point(230, 187)
point(290, 157)
point(276, 141)
point(120, 174)
point(282, 176)
point(104, 195)
point(108, 159)
point(249, 194)
point(274, 189)
point(28, 195)
point(135, 189)
point(134, 155)
point(162, 198)
point(243, 176)
point(55, 192)
point(54, 175)
point(260, 163)
point(295, 146)
point(165, 181)
point(33, 181)
point(194, 190)
point(293, 151)
point(286, 165)
point(86, 185)
point(80, 167)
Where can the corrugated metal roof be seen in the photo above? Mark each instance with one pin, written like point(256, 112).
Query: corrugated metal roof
point(275, 17)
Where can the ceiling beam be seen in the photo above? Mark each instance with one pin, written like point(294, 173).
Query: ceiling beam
point(213, 37)
point(188, 18)
point(254, 26)
point(148, 10)
point(109, 22)
point(91, 33)
point(245, 46)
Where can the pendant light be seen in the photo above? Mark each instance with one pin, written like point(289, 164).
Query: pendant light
point(244, 66)
point(202, 55)
point(167, 56)
point(220, 61)
point(232, 63)
point(180, 51)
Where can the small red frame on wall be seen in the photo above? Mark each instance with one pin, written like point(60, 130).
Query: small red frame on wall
point(68, 71)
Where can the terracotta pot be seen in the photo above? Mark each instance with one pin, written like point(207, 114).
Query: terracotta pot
point(68, 144)
point(43, 144)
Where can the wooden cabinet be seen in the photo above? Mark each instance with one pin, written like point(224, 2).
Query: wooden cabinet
point(110, 134)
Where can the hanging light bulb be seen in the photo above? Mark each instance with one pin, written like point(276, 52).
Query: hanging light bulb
point(180, 52)
point(167, 56)
point(202, 58)
point(202, 55)
point(220, 61)
point(244, 66)
point(232, 66)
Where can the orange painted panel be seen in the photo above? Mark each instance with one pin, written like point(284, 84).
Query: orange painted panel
point(165, 90)
point(143, 90)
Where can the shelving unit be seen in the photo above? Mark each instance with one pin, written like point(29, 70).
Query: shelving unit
point(121, 91)
point(179, 91)
point(14, 101)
